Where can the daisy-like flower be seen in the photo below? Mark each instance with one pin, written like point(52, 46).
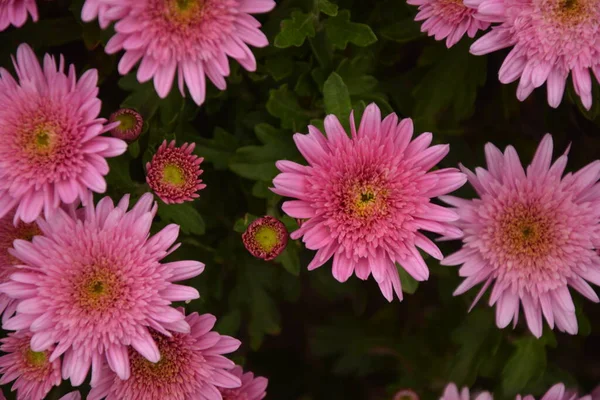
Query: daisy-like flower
point(15, 12)
point(448, 19)
point(557, 392)
point(367, 197)
point(50, 151)
point(265, 238)
point(253, 388)
point(94, 285)
point(550, 39)
point(173, 174)
point(8, 234)
point(35, 374)
point(191, 367)
point(190, 38)
point(451, 393)
point(130, 124)
point(531, 233)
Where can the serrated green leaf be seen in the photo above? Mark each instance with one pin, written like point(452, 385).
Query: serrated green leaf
point(283, 104)
point(219, 150)
point(185, 215)
point(327, 7)
point(294, 31)
point(280, 67)
point(527, 363)
point(337, 98)
point(354, 74)
point(341, 31)
point(290, 259)
point(242, 224)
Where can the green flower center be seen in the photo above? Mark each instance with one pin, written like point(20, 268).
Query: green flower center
point(36, 358)
point(99, 289)
point(173, 174)
point(127, 121)
point(266, 237)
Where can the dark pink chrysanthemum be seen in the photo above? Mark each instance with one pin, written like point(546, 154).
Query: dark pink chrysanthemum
point(265, 238)
point(448, 19)
point(50, 151)
point(557, 392)
point(94, 285)
point(8, 234)
point(191, 367)
point(188, 38)
point(532, 234)
point(15, 12)
point(173, 173)
point(253, 388)
point(366, 198)
point(35, 374)
point(130, 124)
point(550, 39)
point(451, 393)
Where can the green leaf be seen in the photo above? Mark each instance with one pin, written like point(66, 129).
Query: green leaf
point(290, 259)
point(229, 324)
point(294, 31)
point(409, 284)
point(219, 150)
point(337, 98)
point(354, 74)
point(340, 30)
point(279, 67)
point(185, 215)
point(527, 363)
point(327, 7)
point(242, 224)
point(403, 31)
point(283, 104)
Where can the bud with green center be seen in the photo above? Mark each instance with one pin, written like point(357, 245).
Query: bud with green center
point(265, 238)
point(130, 124)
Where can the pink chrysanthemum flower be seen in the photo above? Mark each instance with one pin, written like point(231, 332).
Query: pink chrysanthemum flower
point(557, 392)
point(106, 11)
point(253, 388)
point(130, 124)
point(265, 238)
point(366, 198)
point(15, 12)
point(173, 173)
point(94, 285)
point(532, 234)
point(451, 393)
point(191, 367)
point(550, 38)
point(50, 151)
point(190, 38)
point(448, 19)
point(8, 234)
point(35, 374)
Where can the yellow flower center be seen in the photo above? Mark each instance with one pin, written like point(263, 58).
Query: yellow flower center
point(36, 358)
point(367, 201)
point(184, 11)
point(173, 174)
point(266, 237)
point(525, 232)
point(98, 289)
point(127, 121)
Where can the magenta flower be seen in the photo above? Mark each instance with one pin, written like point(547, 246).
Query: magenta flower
point(173, 174)
point(265, 238)
point(366, 198)
point(549, 40)
point(94, 285)
point(448, 19)
point(451, 393)
point(130, 124)
point(253, 388)
point(532, 235)
point(106, 11)
point(50, 151)
point(191, 367)
point(15, 12)
point(557, 392)
point(190, 38)
point(35, 374)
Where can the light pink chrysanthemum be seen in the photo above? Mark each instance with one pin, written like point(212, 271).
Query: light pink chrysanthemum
point(532, 234)
point(557, 392)
point(50, 151)
point(94, 285)
point(15, 12)
point(451, 393)
point(8, 234)
point(106, 11)
point(550, 39)
point(190, 38)
point(448, 19)
point(253, 388)
point(173, 173)
point(35, 374)
point(191, 367)
point(366, 198)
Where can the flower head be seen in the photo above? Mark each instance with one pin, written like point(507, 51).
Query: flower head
point(50, 151)
point(173, 173)
point(448, 19)
point(549, 40)
point(532, 235)
point(130, 124)
point(94, 285)
point(406, 394)
point(253, 388)
point(15, 12)
point(557, 392)
point(366, 198)
point(191, 367)
point(190, 38)
point(265, 238)
point(451, 393)
point(35, 374)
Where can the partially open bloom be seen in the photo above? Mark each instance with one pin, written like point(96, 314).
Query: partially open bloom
point(532, 235)
point(448, 19)
point(130, 124)
point(451, 393)
point(366, 198)
point(94, 285)
point(35, 374)
point(191, 367)
point(557, 392)
point(253, 388)
point(406, 394)
point(189, 38)
point(173, 174)
point(50, 151)
point(265, 238)
point(15, 12)
point(549, 40)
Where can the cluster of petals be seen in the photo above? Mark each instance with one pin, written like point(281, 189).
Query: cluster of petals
point(252, 387)
point(93, 286)
point(451, 393)
point(366, 198)
point(51, 151)
point(532, 234)
point(191, 39)
point(556, 392)
point(16, 12)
